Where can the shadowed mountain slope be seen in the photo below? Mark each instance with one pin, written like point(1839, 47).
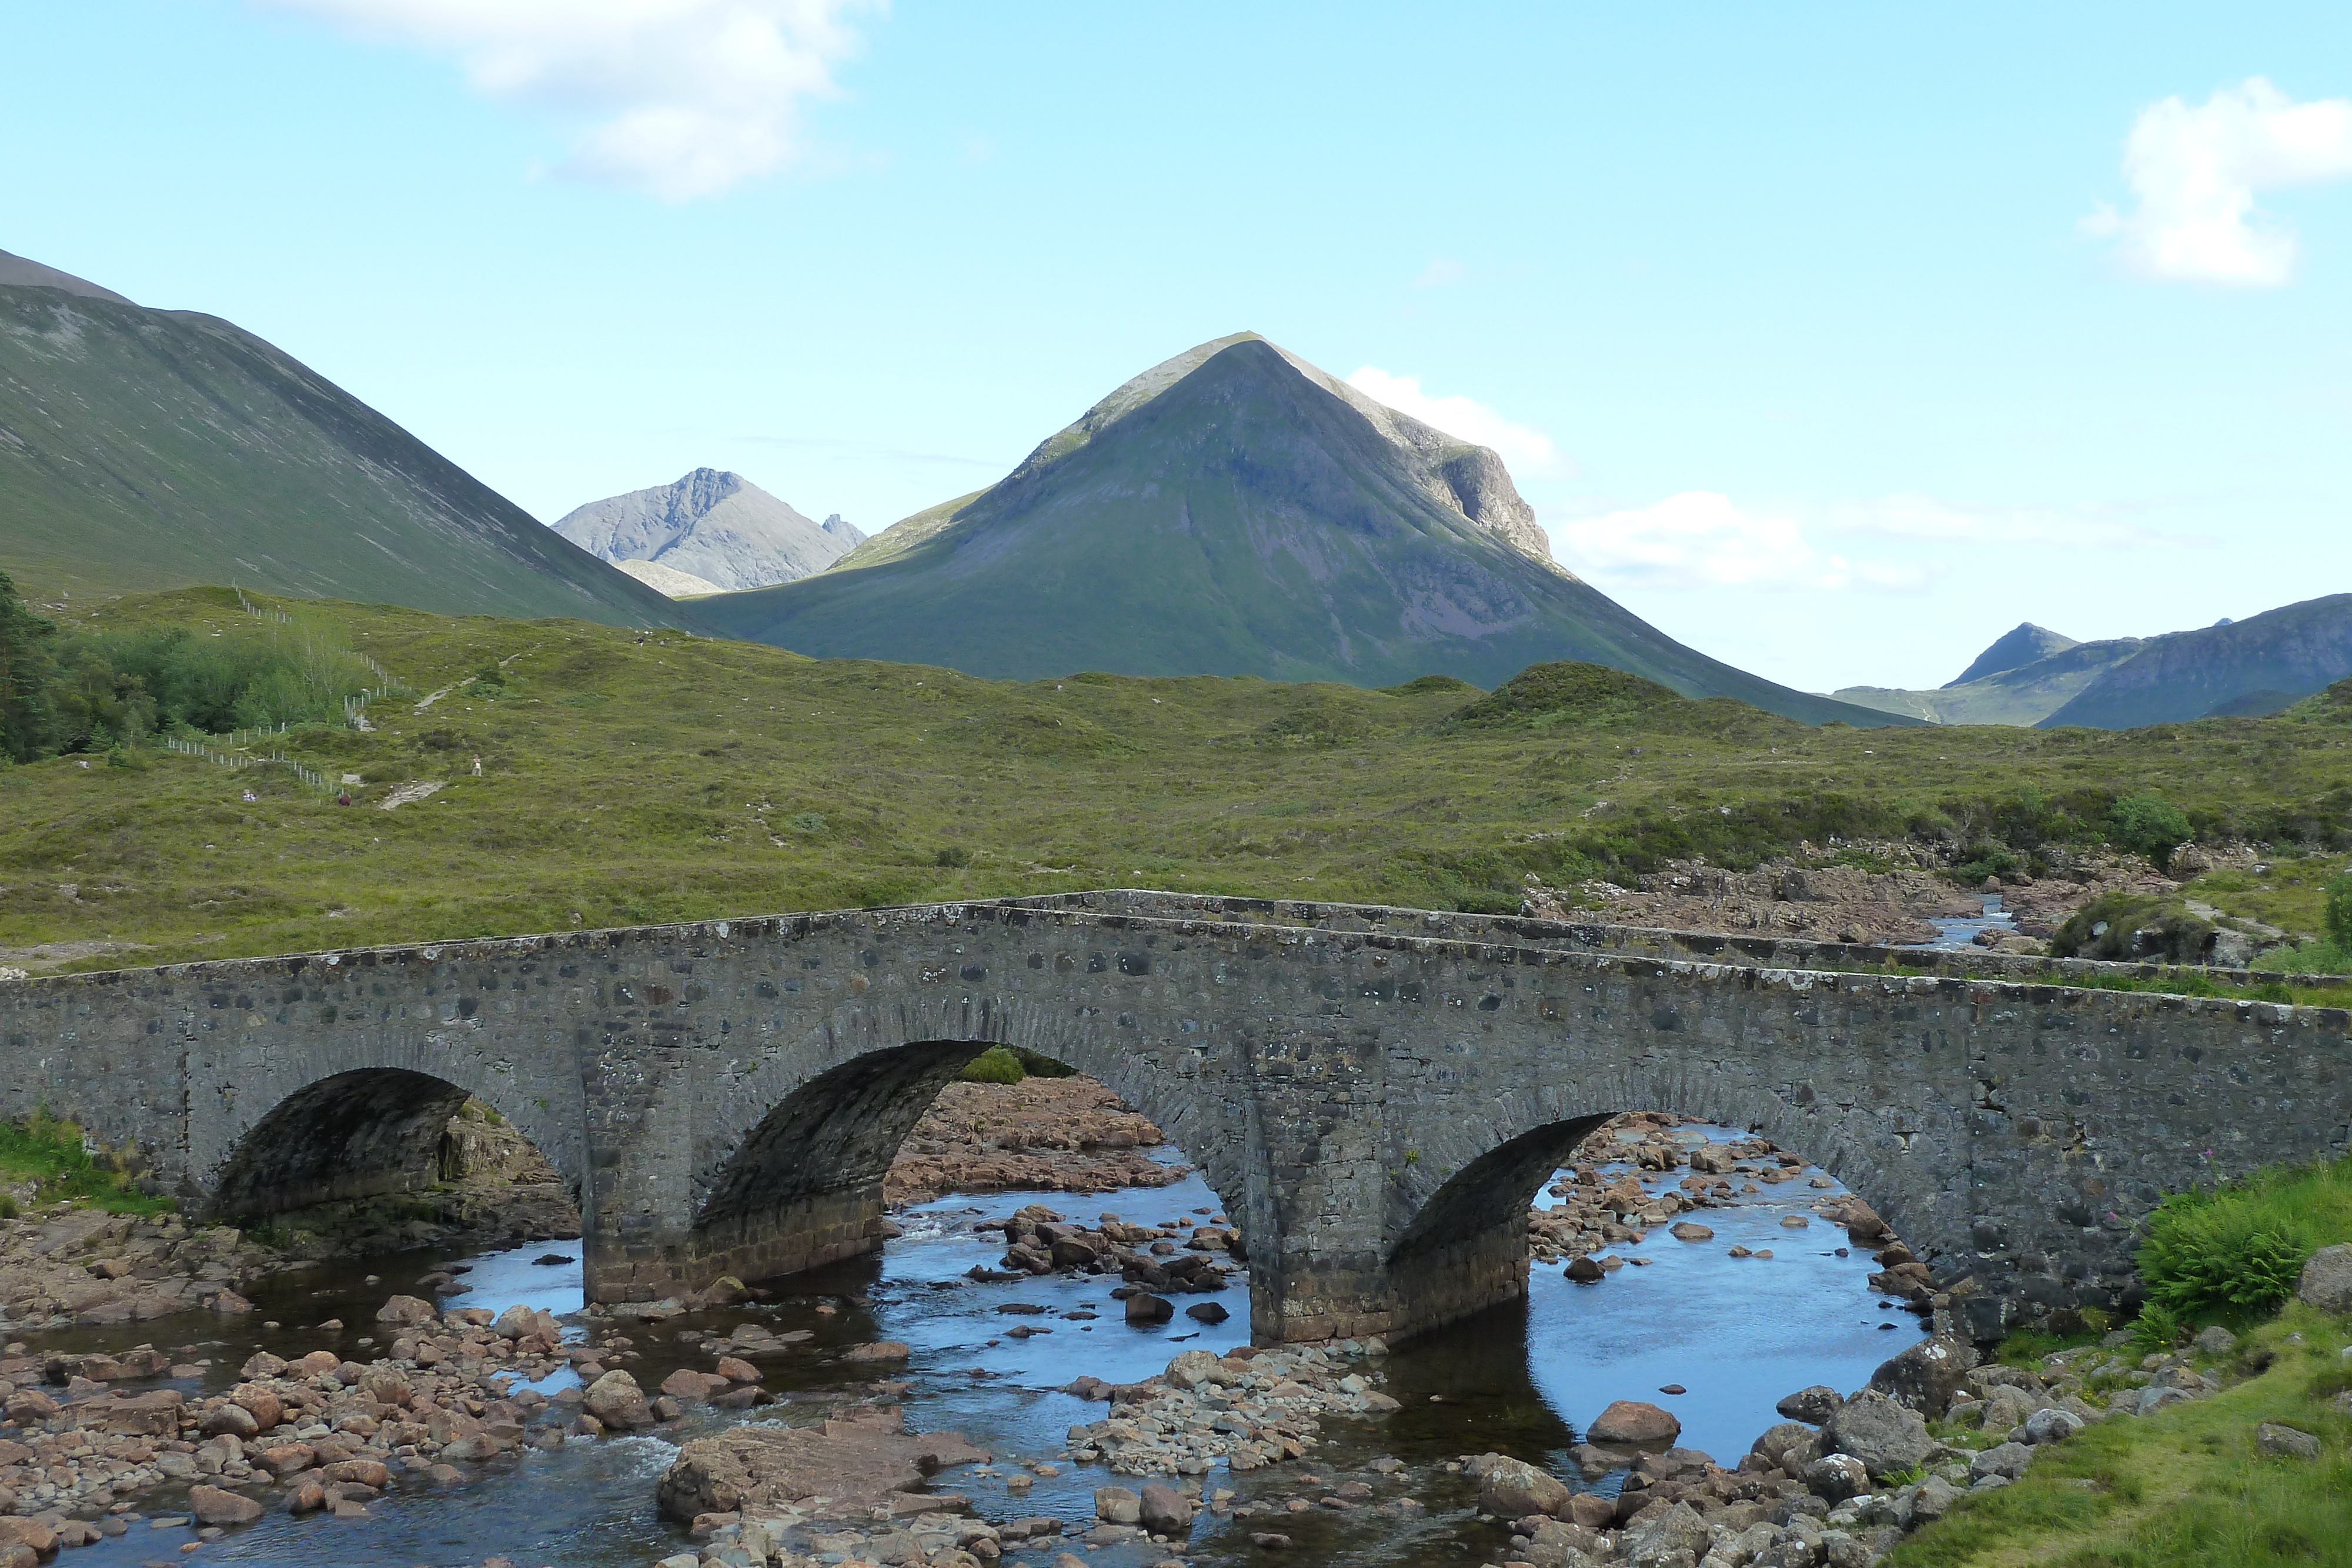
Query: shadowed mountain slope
point(1234, 511)
point(2257, 664)
point(152, 448)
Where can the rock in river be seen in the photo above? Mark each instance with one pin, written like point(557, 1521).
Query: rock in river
point(1631, 1421)
point(1885, 1437)
point(860, 1464)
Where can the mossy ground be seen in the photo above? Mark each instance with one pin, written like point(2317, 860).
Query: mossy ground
point(632, 779)
point(48, 1153)
point(2185, 1486)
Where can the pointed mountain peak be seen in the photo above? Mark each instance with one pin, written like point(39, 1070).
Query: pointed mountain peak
point(712, 525)
point(1462, 475)
point(2022, 645)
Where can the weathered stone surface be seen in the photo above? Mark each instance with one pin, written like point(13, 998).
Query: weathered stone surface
point(2007, 1460)
point(1884, 1436)
point(2215, 1340)
point(1837, 1477)
point(1815, 1405)
point(1925, 1376)
point(1634, 1422)
point(2326, 1281)
point(1165, 1511)
point(858, 1465)
point(2051, 1424)
point(2289, 1442)
point(842, 1026)
point(1118, 1505)
point(1510, 1487)
point(211, 1505)
point(1681, 1529)
point(617, 1401)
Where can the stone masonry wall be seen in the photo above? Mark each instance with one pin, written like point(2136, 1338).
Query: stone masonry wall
point(720, 1094)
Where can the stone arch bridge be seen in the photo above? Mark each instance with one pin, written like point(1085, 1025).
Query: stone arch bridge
point(1375, 1093)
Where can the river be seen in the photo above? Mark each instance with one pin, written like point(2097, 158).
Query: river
point(1736, 1333)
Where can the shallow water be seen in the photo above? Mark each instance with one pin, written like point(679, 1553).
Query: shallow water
point(1738, 1333)
point(1960, 931)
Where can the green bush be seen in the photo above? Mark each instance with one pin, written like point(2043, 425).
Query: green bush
point(1037, 1066)
point(2157, 1329)
point(49, 1150)
point(2242, 1247)
point(2336, 911)
point(994, 1065)
point(2109, 928)
point(2149, 825)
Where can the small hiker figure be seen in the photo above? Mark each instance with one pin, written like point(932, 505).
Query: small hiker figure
point(478, 767)
point(344, 799)
point(251, 796)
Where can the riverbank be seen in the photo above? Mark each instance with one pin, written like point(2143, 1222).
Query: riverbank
point(1048, 1134)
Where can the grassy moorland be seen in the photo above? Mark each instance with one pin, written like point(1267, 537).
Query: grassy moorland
point(630, 777)
point(2190, 1485)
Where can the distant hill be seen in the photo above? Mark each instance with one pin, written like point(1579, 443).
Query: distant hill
point(2236, 669)
point(143, 449)
point(1235, 511)
point(2023, 694)
point(2022, 645)
point(713, 524)
point(2255, 665)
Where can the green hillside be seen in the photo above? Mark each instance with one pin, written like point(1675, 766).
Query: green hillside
point(1232, 514)
point(628, 780)
point(143, 449)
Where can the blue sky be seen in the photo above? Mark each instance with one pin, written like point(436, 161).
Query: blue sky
point(1834, 339)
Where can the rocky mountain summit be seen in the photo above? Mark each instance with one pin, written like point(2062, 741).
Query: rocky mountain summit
point(1235, 511)
point(712, 527)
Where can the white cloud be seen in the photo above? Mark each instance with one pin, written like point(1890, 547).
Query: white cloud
point(2195, 173)
point(1701, 538)
point(1523, 447)
point(684, 98)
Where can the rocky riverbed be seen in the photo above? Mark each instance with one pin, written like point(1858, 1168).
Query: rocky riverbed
point(1050, 1134)
point(1837, 896)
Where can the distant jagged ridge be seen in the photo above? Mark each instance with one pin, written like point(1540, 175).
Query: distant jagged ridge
point(2235, 669)
point(713, 524)
point(146, 449)
point(1235, 511)
point(2257, 664)
point(2022, 645)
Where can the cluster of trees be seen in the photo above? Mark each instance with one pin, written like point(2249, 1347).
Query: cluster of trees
point(62, 692)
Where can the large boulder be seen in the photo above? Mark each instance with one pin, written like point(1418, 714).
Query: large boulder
point(858, 1465)
point(1166, 1512)
point(1633, 1422)
point(211, 1505)
point(406, 1311)
point(1815, 1405)
point(1925, 1376)
point(2326, 1280)
point(1884, 1436)
point(1511, 1488)
point(1837, 1477)
point(1678, 1535)
point(617, 1401)
point(1782, 1439)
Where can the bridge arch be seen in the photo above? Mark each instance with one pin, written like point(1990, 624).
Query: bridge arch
point(793, 1175)
point(1458, 1210)
point(346, 1131)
